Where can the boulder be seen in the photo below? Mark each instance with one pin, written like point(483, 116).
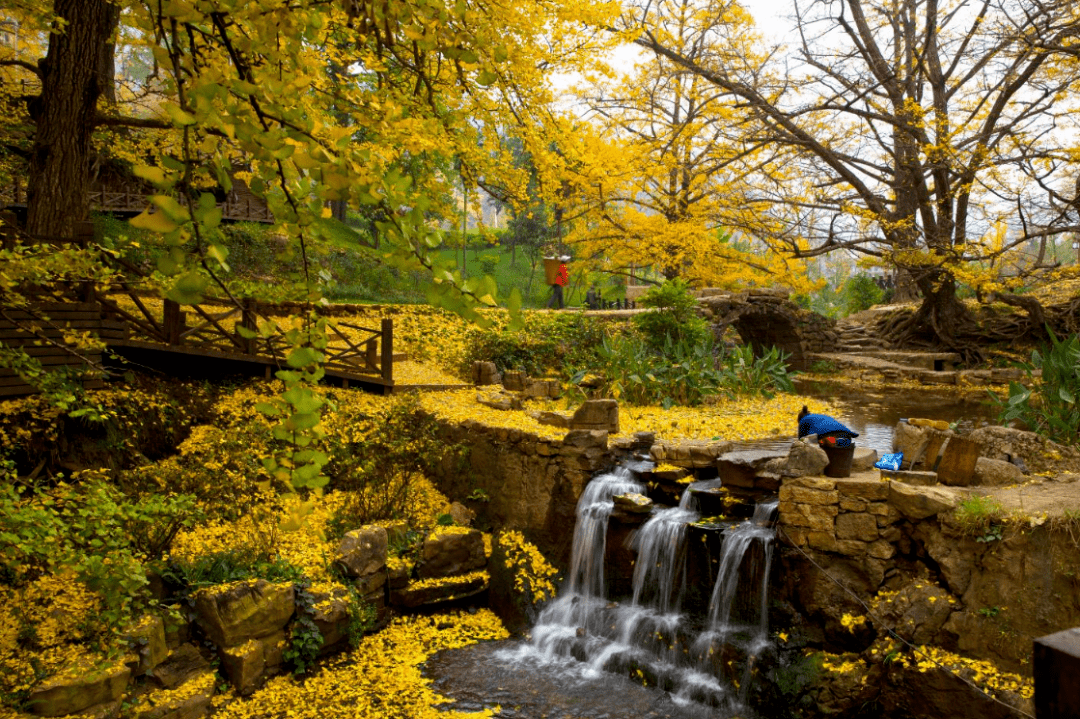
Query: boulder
point(234, 613)
point(540, 388)
point(484, 373)
point(461, 514)
point(419, 594)
point(863, 460)
point(804, 460)
point(70, 692)
point(597, 414)
point(920, 502)
point(331, 615)
point(996, 472)
point(586, 439)
point(183, 663)
point(246, 666)
point(741, 467)
point(1037, 453)
point(362, 552)
point(911, 441)
point(514, 381)
point(453, 550)
point(147, 638)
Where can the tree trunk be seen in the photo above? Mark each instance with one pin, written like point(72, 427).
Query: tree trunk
point(64, 115)
point(943, 319)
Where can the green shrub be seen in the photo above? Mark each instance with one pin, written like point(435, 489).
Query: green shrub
point(94, 531)
point(549, 343)
point(685, 373)
point(675, 318)
point(1049, 407)
point(861, 293)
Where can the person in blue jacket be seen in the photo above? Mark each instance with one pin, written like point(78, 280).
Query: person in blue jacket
point(824, 426)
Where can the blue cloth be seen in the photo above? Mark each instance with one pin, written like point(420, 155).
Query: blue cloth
point(823, 424)
point(890, 461)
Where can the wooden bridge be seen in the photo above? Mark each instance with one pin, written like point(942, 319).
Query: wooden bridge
point(130, 198)
point(215, 337)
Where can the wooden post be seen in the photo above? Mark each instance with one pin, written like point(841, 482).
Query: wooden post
point(388, 350)
point(371, 348)
point(247, 321)
point(173, 321)
point(1057, 662)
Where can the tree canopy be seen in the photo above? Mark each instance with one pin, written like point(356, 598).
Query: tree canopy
point(930, 135)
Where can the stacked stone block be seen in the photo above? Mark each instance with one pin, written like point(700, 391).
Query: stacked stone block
point(851, 517)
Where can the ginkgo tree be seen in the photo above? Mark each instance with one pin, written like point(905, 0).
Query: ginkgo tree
point(915, 128)
point(681, 203)
point(325, 102)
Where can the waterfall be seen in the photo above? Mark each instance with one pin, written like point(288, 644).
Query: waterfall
point(648, 635)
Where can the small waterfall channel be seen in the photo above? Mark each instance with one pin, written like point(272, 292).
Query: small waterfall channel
point(699, 658)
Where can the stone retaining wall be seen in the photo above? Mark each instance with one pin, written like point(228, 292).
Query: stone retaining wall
point(530, 483)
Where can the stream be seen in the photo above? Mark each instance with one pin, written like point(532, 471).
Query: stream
point(562, 671)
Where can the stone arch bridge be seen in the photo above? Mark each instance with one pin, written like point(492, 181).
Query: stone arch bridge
point(767, 318)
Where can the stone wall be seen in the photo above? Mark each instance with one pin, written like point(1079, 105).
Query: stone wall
point(531, 483)
point(985, 597)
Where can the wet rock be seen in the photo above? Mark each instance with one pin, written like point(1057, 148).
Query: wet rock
point(447, 553)
point(996, 472)
point(362, 552)
point(920, 502)
point(633, 503)
point(71, 693)
point(597, 414)
point(233, 614)
point(182, 664)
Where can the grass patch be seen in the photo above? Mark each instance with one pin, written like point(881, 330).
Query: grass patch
point(978, 516)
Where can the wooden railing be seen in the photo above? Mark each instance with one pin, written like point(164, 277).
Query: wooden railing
point(370, 353)
point(133, 199)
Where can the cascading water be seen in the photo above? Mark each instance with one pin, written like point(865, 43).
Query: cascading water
point(648, 636)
